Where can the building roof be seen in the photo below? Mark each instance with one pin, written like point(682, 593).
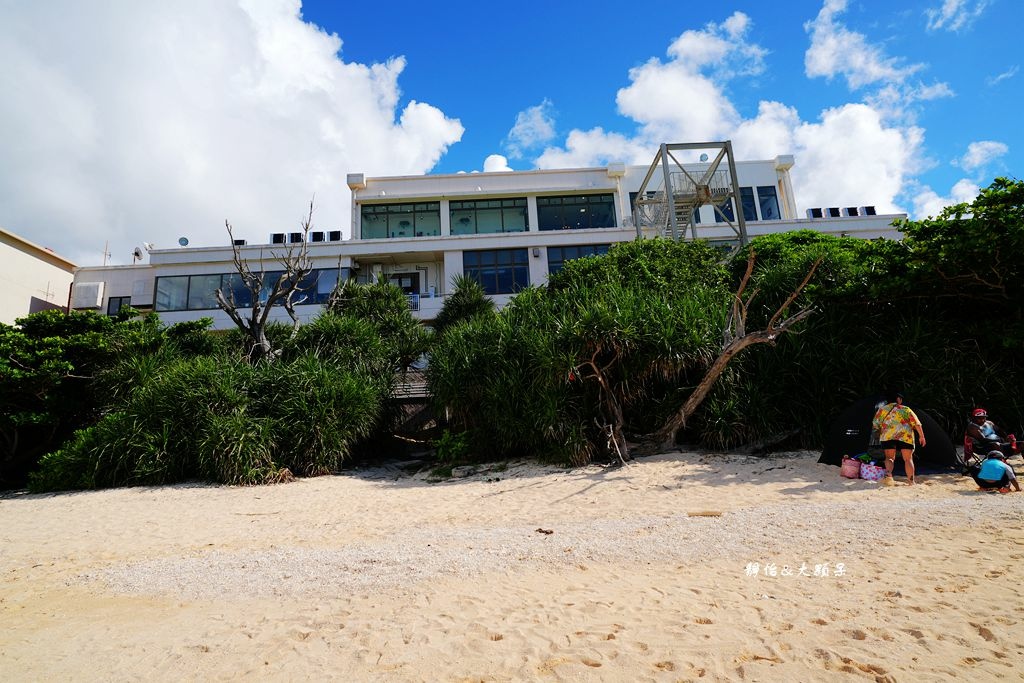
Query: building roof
point(44, 253)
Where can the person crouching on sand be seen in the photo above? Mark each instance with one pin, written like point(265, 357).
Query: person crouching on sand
point(996, 474)
point(895, 425)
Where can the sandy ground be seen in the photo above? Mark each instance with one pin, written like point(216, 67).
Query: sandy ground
point(678, 567)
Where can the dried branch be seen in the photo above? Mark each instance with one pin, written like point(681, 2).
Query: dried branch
point(735, 340)
point(296, 265)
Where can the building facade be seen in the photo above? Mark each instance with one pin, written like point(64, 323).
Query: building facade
point(32, 278)
point(507, 230)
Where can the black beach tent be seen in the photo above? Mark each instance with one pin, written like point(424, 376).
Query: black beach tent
point(850, 434)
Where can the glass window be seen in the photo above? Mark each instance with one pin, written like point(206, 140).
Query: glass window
point(201, 290)
point(234, 285)
point(499, 271)
point(578, 212)
point(488, 216)
point(326, 281)
point(748, 204)
point(171, 293)
point(725, 208)
point(400, 220)
point(116, 303)
point(197, 292)
point(557, 256)
point(769, 202)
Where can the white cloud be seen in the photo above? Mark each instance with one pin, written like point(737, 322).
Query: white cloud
point(954, 15)
point(998, 78)
point(141, 122)
point(853, 155)
point(852, 158)
point(980, 154)
point(835, 50)
point(496, 162)
point(929, 204)
point(534, 127)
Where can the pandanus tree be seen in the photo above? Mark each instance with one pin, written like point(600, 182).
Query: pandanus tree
point(611, 341)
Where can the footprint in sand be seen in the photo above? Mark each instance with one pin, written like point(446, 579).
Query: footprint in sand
point(819, 622)
point(702, 620)
point(665, 666)
point(591, 663)
point(856, 634)
point(983, 632)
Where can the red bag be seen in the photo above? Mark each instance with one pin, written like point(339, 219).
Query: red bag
point(850, 468)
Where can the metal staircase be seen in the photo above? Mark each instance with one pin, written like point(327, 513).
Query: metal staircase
point(670, 212)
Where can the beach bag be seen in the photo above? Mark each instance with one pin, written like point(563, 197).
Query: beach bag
point(871, 472)
point(850, 468)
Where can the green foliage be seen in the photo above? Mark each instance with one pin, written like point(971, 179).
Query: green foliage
point(451, 448)
point(384, 306)
point(227, 421)
point(601, 344)
point(467, 301)
point(973, 250)
point(48, 364)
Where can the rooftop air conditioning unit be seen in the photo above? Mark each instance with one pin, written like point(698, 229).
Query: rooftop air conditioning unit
point(814, 213)
point(87, 295)
point(316, 236)
point(867, 211)
point(295, 237)
point(277, 238)
point(334, 236)
point(850, 211)
point(833, 212)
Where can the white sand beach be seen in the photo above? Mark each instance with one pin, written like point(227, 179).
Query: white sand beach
point(532, 573)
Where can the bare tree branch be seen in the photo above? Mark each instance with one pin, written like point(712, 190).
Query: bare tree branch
point(735, 339)
point(296, 266)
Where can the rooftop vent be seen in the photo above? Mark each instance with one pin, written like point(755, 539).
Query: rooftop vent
point(277, 238)
point(814, 213)
point(334, 236)
point(316, 236)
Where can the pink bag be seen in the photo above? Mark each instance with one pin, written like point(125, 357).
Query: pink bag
point(850, 468)
point(871, 472)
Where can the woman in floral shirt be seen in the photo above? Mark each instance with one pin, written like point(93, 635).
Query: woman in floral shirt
point(895, 425)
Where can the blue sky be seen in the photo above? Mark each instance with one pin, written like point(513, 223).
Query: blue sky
point(141, 121)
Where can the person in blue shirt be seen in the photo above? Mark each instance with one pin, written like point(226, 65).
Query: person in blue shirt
point(994, 473)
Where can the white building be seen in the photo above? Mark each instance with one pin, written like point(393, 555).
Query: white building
point(508, 230)
point(32, 278)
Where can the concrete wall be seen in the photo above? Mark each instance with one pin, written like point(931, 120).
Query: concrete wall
point(32, 278)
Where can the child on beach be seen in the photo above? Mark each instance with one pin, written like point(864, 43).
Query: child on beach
point(994, 473)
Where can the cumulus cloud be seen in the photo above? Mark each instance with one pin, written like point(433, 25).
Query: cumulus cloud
point(980, 153)
point(927, 203)
point(496, 162)
point(953, 15)
point(534, 127)
point(139, 122)
point(679, 100)
point(838, 51)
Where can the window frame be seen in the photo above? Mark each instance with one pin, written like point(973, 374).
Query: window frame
point(577, 203)
point(488, 267)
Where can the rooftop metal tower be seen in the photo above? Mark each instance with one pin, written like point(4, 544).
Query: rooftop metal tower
point(671, 193)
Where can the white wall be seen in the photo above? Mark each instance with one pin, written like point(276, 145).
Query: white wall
point(31, 278)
